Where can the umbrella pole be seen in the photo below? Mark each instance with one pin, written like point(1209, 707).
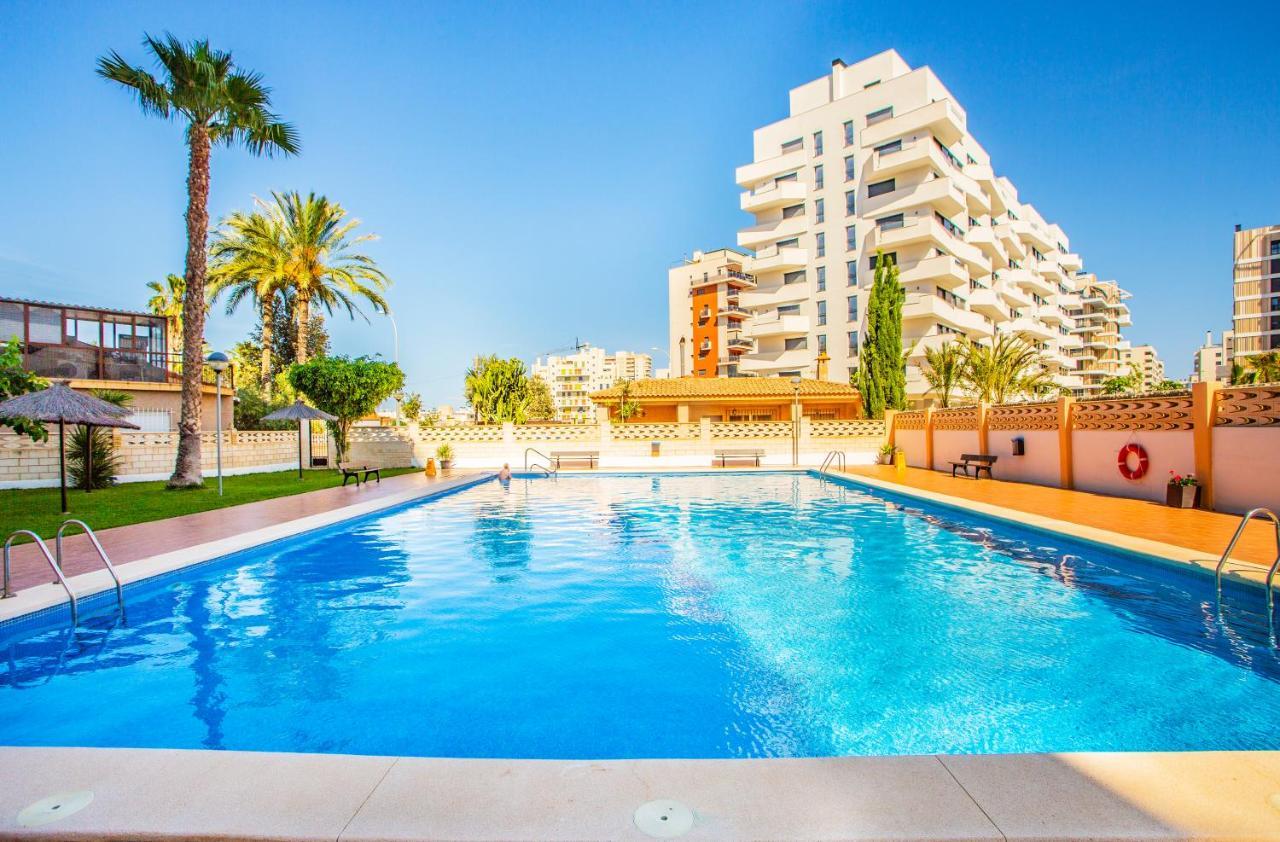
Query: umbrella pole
point(62, 463)
point(300, 448)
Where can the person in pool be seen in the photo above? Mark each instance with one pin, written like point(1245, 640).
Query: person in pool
point(505, 474)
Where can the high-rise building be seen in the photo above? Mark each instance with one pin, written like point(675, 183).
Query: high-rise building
point(1213, 361)
point(1257, 291)
point(876, 158)
point(1098, 311)
point(572, 377)
point(707, 314)
point(1145, 363)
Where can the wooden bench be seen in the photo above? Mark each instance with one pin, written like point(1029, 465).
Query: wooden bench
point(978, 461)
point(589, 457)
point(723, 456)
point(358, 471)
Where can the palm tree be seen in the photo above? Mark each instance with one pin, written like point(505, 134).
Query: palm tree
point(249, 258)
point(323, 267)
point(1258, 368)
point(944, 368)
point(1008, 367)
point(167, 302)
point(220, 104)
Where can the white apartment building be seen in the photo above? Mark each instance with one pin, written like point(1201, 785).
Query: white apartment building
point(572, 377)
point(876, 156)
point(1213, 361)
point(1143, 361)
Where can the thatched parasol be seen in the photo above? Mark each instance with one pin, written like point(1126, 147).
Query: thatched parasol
point(62, 404)
point(299, 412)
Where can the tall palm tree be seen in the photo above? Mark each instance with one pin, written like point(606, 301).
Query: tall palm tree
point(249, 259)
point(1007, 367)
point(167, 301)
point(220, 104)
point(1258, 368)
point(944, 368)
point(323, 266)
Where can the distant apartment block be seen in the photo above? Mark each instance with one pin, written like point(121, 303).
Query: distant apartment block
point(1097, 311)
point(877, 157)
point(1213, 361)
point(1256, 274)
point(1143, 361)
point(573, 377)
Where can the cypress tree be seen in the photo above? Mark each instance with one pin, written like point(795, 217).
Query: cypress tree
point(881, 375)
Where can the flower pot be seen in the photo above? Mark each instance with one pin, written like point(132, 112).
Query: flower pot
point(1182, 496)
point(886, 458)
point(446, 464)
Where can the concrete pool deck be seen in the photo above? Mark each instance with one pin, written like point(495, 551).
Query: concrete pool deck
point(167, 794)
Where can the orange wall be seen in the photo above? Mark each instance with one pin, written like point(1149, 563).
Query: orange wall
point(704, 362)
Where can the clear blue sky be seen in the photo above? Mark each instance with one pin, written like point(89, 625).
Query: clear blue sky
point(533, 169)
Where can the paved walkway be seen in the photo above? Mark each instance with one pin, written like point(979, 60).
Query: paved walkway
point(1193, 529)
point(125, 544)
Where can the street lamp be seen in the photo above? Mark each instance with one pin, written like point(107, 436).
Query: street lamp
point(219, 362)
point(795, 422)
point(395, 357)
point(668, 353)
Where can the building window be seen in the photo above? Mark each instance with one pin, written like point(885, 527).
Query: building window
point(889, 257)
point(852, 266)
point(796, 277)
point(817, 143)
point(817, 177)
point(850, 168)
point(881, 187)
point(822, 343)
point(791, 243)
point(1275, 246)
point(848, 133)
point(822, 312)
point(820, 240)
point(879, 116)
point(888, 223)
point(822, 278)
point(793, 211)
point(819, 215)
point(798, 343)
point(851, 238)
point(853, 308)
point(793, 145)
point(853, 342)
point(890, 147)
point(850, 202)
point(789, 310)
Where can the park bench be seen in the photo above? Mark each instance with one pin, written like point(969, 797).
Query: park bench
point(978, 461)
point(588, 457)
point(359, 471)
point(723, 456)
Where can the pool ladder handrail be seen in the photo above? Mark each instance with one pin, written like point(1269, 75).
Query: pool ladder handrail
point(97, 545)
point(550, 471)
point(1275, 565)
point(836, 456)
point(57, 571)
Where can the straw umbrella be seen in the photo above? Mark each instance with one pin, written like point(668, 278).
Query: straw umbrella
point(299, 412)
point(60, 403)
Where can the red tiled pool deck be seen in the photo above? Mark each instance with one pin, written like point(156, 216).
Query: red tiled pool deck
point(125, 544)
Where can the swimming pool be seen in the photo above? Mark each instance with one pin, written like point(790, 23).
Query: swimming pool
point(678, 615)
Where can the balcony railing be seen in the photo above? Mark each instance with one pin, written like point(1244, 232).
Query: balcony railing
point(80, 362)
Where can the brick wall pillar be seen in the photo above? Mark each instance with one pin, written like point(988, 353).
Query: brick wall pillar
point(1204, 415)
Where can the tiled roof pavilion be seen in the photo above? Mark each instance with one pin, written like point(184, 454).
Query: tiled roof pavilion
point(691, 398)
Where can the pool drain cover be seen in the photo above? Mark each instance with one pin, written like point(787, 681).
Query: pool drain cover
point(54, 808)
point(664, 818)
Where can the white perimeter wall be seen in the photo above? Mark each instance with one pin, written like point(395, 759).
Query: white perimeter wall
point(1040, 465)
point(1095, 454)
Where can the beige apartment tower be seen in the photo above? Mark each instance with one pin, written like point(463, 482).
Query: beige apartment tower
point(876, 157)
point(1256, 275)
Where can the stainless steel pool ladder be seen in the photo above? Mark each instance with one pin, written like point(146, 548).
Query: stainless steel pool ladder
point(1275, 565)
point(836, 456)
point(56, 563)
point(550, 471)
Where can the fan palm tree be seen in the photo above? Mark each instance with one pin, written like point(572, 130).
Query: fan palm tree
point(249, 259)
point(1007, 367)
point(1258, 368)
point(944, 368)
point(220, 104)
point(323, 266)
point(167, 301)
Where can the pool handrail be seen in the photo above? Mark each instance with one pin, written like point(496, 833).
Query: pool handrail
point(102, 554)
point(1275, 565)
point(548, 467)
point(836, 456)
point(44, 550)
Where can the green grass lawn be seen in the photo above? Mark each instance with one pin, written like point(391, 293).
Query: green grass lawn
point(37, 509)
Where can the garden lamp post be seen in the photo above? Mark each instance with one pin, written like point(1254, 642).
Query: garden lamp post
point(219, 362)
point(795, 422)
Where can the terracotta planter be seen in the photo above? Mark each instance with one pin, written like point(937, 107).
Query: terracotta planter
point(1182, 496)
point(446, 464)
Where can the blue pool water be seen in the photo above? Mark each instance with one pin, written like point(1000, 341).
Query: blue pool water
point(724, 615)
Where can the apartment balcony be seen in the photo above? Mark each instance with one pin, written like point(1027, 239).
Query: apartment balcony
point(976, 199)
point(739, 345)
point(1031, 327)
point(914, 155)
point(987, 302)
point(984, 238)
point(1012, 243)
point(771, 362)
point(1014, 295)
point(1051, 269)
point(1029, 280)
point(1071, 261)
point(1069, 301)
point(749, 175)
point(923, 305)
point(734, 312)
point(772, 231)
point(943, 119)
point(937, 193)
point(985, 178)
point(1050, 314)
point(774, 259)
point(1071, 340)
point(1031, 232)
point(778, 326)
point(943, 270)
point(764, 298)
point(733, 278)
point(773, 194)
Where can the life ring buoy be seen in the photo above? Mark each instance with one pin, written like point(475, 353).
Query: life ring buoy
point(1122, 461)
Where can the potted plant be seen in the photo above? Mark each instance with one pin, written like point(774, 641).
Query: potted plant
point(445, 454)
point(886, 454)
point(1183, 491)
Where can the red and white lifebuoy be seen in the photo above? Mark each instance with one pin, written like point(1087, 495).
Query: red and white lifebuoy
point(1122, 461)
